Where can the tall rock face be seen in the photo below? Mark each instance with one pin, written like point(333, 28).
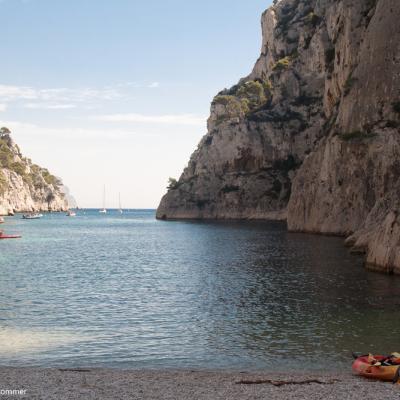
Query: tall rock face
point(25, 186)
point(313, 133)
point(350, 183)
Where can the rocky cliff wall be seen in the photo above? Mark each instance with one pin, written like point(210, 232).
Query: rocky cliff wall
point(350, 183)
point(25, 186)
point(312, 134)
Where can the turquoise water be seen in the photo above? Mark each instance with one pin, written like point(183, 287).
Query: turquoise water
point(132, 292)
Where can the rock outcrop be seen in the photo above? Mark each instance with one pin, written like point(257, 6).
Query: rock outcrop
point(24, 186)
point(313, 133)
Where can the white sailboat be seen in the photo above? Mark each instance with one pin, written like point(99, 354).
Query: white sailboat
point(103, 210)
point(119, 199)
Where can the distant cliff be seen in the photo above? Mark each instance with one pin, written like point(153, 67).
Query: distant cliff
point(312, 135)
point(25, 186)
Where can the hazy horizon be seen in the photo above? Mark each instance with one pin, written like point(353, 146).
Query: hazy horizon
point(118, 94)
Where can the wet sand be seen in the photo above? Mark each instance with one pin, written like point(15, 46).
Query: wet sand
point(60, 384)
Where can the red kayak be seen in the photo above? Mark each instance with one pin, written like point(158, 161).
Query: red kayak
point(10, 236)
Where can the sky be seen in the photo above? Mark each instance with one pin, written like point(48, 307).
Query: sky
point(117, 93)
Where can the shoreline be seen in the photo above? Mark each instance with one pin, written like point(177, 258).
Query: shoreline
point(106, 383)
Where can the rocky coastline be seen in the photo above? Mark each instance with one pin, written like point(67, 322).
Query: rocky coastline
point(24, 186)
point(312, 135)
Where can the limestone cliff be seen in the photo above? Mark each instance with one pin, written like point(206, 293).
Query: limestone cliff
point(312, 134)
point(25, 186)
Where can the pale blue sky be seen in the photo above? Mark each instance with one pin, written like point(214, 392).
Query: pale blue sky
point(117, 92)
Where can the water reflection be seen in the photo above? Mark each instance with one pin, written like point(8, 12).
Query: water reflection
point(143, 293)
point(15, 341)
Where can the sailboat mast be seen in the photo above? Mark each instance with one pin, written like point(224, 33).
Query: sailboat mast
point(103, 210)
point(119, 201)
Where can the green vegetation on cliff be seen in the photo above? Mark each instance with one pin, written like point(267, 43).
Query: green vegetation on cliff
point(172, 184)
point(357, 135)
point(12, 160)
point(244, 98)
point(281, 64)
point(6, 154)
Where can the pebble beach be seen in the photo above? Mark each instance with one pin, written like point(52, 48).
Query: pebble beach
point(60, 384)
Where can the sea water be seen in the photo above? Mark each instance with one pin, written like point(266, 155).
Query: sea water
point(128, 291)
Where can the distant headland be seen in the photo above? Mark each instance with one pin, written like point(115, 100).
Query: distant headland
point(25, 186)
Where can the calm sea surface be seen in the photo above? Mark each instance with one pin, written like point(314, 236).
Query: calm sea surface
point(132, 292)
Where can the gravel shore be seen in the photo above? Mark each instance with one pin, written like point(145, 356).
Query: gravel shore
point(96, 384)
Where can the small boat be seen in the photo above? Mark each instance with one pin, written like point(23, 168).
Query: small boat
point(383, 368)
point(71, 213)
point(4, 236)
point(32, 216)
point(1, 220)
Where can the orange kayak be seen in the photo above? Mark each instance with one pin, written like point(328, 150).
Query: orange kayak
point(362, 366)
